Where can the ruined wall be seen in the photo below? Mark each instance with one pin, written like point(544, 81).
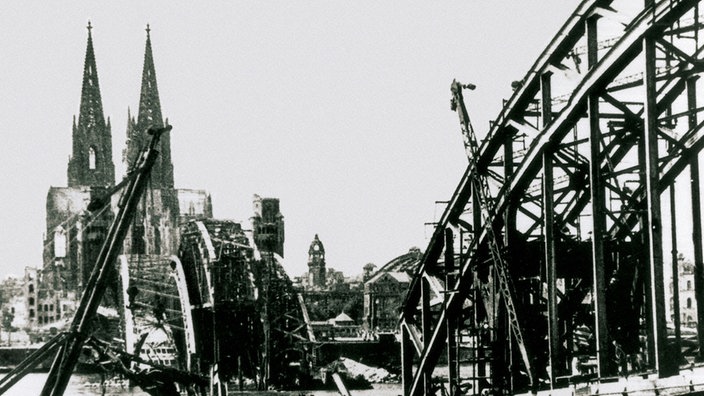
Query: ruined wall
point(155, 228)
point(194, 204)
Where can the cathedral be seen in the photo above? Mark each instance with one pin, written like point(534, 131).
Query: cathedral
point(75, 235)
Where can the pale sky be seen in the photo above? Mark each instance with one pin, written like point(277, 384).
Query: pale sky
point(339, 109)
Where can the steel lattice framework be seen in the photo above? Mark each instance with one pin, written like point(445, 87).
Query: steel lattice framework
point(229, 309)
point(548, 260)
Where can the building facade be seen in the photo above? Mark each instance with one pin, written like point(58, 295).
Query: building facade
point(268, 225)
point(385, 291)
point(687, 298)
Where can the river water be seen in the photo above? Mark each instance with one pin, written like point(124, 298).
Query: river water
point(88, 385)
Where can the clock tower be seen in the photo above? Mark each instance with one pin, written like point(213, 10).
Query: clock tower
point(316, 263)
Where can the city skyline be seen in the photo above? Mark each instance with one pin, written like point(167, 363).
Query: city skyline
point(341, 111)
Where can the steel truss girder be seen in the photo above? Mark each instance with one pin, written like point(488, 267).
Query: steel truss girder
point(650, 22)
point(250, 315)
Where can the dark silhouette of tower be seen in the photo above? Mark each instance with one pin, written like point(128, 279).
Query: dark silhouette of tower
point(316, 263)
point(74, 236)
point(91, 162)
point(155, 228)
point(149, 115)
point(268, 225)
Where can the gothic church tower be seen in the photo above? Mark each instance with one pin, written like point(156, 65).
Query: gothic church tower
point(73, 236)
point(149, 115)
point(91, 161)
point(156, 225)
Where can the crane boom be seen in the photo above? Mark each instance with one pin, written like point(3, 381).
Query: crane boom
point(68, 354)
point(480, 187)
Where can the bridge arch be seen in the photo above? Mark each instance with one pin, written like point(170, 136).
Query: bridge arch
point(540, 240)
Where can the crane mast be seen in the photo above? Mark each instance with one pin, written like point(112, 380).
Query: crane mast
point(480, 189)
point(71, 342)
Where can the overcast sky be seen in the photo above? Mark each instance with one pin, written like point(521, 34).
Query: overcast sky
point(340, 109)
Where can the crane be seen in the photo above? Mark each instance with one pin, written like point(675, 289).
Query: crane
point(71, 342)
point(480, 187)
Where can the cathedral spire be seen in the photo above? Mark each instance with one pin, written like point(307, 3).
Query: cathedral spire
point(149, 104)
point(149, 115)
point(91, 160)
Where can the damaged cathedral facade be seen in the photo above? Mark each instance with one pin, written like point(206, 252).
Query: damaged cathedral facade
point(74, 235)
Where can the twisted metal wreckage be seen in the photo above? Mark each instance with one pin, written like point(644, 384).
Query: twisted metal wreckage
point(222, 309)
point(546, 269)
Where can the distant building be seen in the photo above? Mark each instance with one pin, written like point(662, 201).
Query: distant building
point(45, 305)
point(341, 326)
point(316, 264)
point(268, 225)
point(383, 297)
point(385, 291)
point(328, 292)
point(344, 326)
point(688, 301)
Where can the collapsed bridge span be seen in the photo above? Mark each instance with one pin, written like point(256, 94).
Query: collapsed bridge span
point(225, 309)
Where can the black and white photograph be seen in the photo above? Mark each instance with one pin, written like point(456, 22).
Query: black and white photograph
point(356, 198)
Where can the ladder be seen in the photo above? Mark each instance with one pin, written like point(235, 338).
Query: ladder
point(482, 193)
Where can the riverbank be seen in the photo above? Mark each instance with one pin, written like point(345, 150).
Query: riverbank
point(89, 385)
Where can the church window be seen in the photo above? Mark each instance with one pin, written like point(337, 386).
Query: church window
point(59, 242)
point(31, 288)
point(91, 158)
point(31, 301)
point(31, 313)
point(689, 303)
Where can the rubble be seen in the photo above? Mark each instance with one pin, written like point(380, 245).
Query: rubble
point(354, 369)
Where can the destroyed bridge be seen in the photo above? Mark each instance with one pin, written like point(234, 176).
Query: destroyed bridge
point(551, 264)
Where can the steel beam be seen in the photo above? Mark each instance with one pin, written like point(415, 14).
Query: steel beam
point(652, 22)
point(675, 274)
point(558, 48)
point(664, 365)
point(427, 330)
point(598, 207)
point(696, 219)
point(452, 363)
point(549, 234)
point(608, 67)
point(406, 359)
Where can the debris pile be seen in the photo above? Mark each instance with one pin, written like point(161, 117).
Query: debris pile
point(354, 369)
